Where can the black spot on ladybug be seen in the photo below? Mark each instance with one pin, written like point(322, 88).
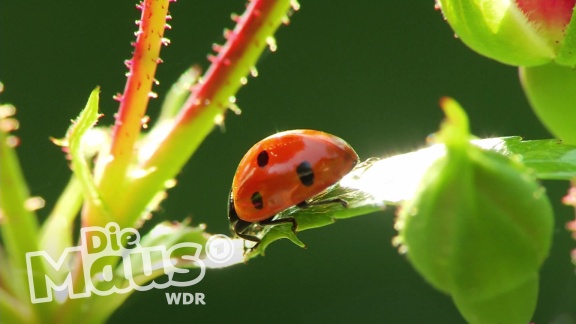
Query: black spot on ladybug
point(257, 200)
point(305, 173)
point(262, 159)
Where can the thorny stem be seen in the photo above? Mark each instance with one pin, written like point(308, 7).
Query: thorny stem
point(127, 197)
point(133, 102)
point(209, 99)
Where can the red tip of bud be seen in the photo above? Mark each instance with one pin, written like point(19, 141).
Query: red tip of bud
point(550, 13)
point(444, 101)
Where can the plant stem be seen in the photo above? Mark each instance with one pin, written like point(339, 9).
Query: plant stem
point(208, 101)
point(134, 100)
point(19, 224)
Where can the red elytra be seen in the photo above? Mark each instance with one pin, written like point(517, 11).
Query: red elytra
point(283, 170)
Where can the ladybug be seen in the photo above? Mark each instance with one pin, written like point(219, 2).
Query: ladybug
point(284, 170)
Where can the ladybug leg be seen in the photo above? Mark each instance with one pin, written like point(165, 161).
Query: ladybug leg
point(240, 226)
point(305, 203)
point(271, 221)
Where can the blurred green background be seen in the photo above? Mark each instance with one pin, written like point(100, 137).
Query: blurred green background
point(370, 72)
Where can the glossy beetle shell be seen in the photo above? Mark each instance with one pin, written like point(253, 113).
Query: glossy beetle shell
point(286, 169)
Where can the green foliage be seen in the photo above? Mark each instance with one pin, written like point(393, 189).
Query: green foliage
point(473, 219)
point(548, 159)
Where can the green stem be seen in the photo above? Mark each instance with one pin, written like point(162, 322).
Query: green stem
point(56, 232)
point(14, 311)
point(19, 224)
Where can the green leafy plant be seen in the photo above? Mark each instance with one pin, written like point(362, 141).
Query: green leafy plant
point(472, 218)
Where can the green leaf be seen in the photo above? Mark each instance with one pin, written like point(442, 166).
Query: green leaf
point(75, 139)
point(318, 214)
point(549, 159)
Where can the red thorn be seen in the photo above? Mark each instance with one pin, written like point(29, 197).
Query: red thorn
point(444, 101)
point(212, 58)
point(216, 48)
point(167, 26)
point(118, 97)
point(228, 33)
